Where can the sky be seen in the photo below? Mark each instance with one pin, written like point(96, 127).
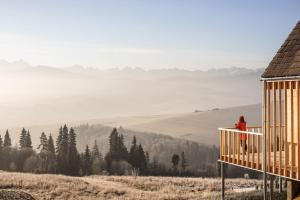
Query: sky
point(190, 34)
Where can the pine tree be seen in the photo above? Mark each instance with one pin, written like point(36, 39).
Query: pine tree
point(62, 150)
point(95, 152)
point(87, 161)
point(142, 164)
point(28, 141)
point(51, 147)
point(58, 140)
point(117, 149)
point(23, 137)
point(1, 152)
point(43, 142)
point(133, 160)
point(1, 144)
point(73, 154)
point(147, 158)
point(113, 144)
point(7, 140)
point(184, 162)
point(175, 161)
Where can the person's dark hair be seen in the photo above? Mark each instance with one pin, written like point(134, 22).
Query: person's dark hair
point(242, 119)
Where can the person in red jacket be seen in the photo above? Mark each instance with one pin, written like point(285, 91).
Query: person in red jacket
point(242, 126)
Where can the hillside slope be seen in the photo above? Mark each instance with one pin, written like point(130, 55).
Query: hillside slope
point(198, 126)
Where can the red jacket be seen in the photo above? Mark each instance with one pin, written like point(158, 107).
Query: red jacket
point(242, 126)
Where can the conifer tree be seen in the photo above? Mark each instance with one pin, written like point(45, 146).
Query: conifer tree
point(7, 140)
point(51, 147)
point(23, 138)
point(62, 150)
point(141, 159)
point(184, 162)
point(1, 151)
point(95, 152)
point(73, 158)
point(147, 158)
point(1, 144)
point(87, 161)
point(43, 142)
point(28, 141)
point(58, 141)
point(133, 160)
point(175, 161)
point(117, 149)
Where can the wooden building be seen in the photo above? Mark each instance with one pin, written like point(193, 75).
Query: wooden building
point(273, 147)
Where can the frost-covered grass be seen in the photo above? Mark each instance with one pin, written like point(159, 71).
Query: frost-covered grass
point(120, 187)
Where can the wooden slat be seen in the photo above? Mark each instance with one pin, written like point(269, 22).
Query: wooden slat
point(234, 147)
point(298, 131)
point(258, 152)
point(226, 147)
point(221, 144)
point(280, 127)
point(253, 144)
point(268, 128)
point(229, 146)
point(274, 128)
point(243, 150)
point(239, 148)
point(292, 130)
point(248, 149)
point(286, 156)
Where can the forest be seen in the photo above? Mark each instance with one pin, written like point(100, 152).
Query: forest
point(63, 157)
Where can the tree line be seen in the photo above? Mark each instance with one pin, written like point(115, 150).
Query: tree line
point(62, 156)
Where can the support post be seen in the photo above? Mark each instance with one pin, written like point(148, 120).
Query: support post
point(271, 187)
point(223, 181)
point(280, 184)
point(265, 138)
point(293, 189)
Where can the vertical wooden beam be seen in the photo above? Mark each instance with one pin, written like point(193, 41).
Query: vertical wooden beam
point(243, 150)
point(234, 147)
point(268, 128)
point(292, 130)
point(229, 146)
point(258, 152)
point(298, 129)
point(264, 117)
point(248, 149)
point(223, 181)
point(286, 148)
point(221, 144)
point(271, 187)
point(225, 145)
point(239, 148)
point(253, 144)
point(274, 128)
point(280, 127)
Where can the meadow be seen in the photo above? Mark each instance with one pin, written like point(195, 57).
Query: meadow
point(121, 187)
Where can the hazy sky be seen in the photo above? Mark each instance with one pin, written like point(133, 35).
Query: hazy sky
point(149, 34)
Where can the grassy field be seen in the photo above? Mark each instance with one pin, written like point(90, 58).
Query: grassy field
point(121, 187)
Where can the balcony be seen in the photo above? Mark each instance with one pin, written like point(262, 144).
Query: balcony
point(280, 159)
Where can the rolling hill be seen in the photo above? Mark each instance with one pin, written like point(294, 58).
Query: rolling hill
point(197, 126)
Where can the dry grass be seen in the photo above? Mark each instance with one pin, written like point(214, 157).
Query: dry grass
point(118, 187)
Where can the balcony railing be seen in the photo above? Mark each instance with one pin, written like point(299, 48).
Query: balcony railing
point(281, 155)
point(233, 150)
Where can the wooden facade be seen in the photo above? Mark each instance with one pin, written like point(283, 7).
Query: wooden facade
point(282, 134)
